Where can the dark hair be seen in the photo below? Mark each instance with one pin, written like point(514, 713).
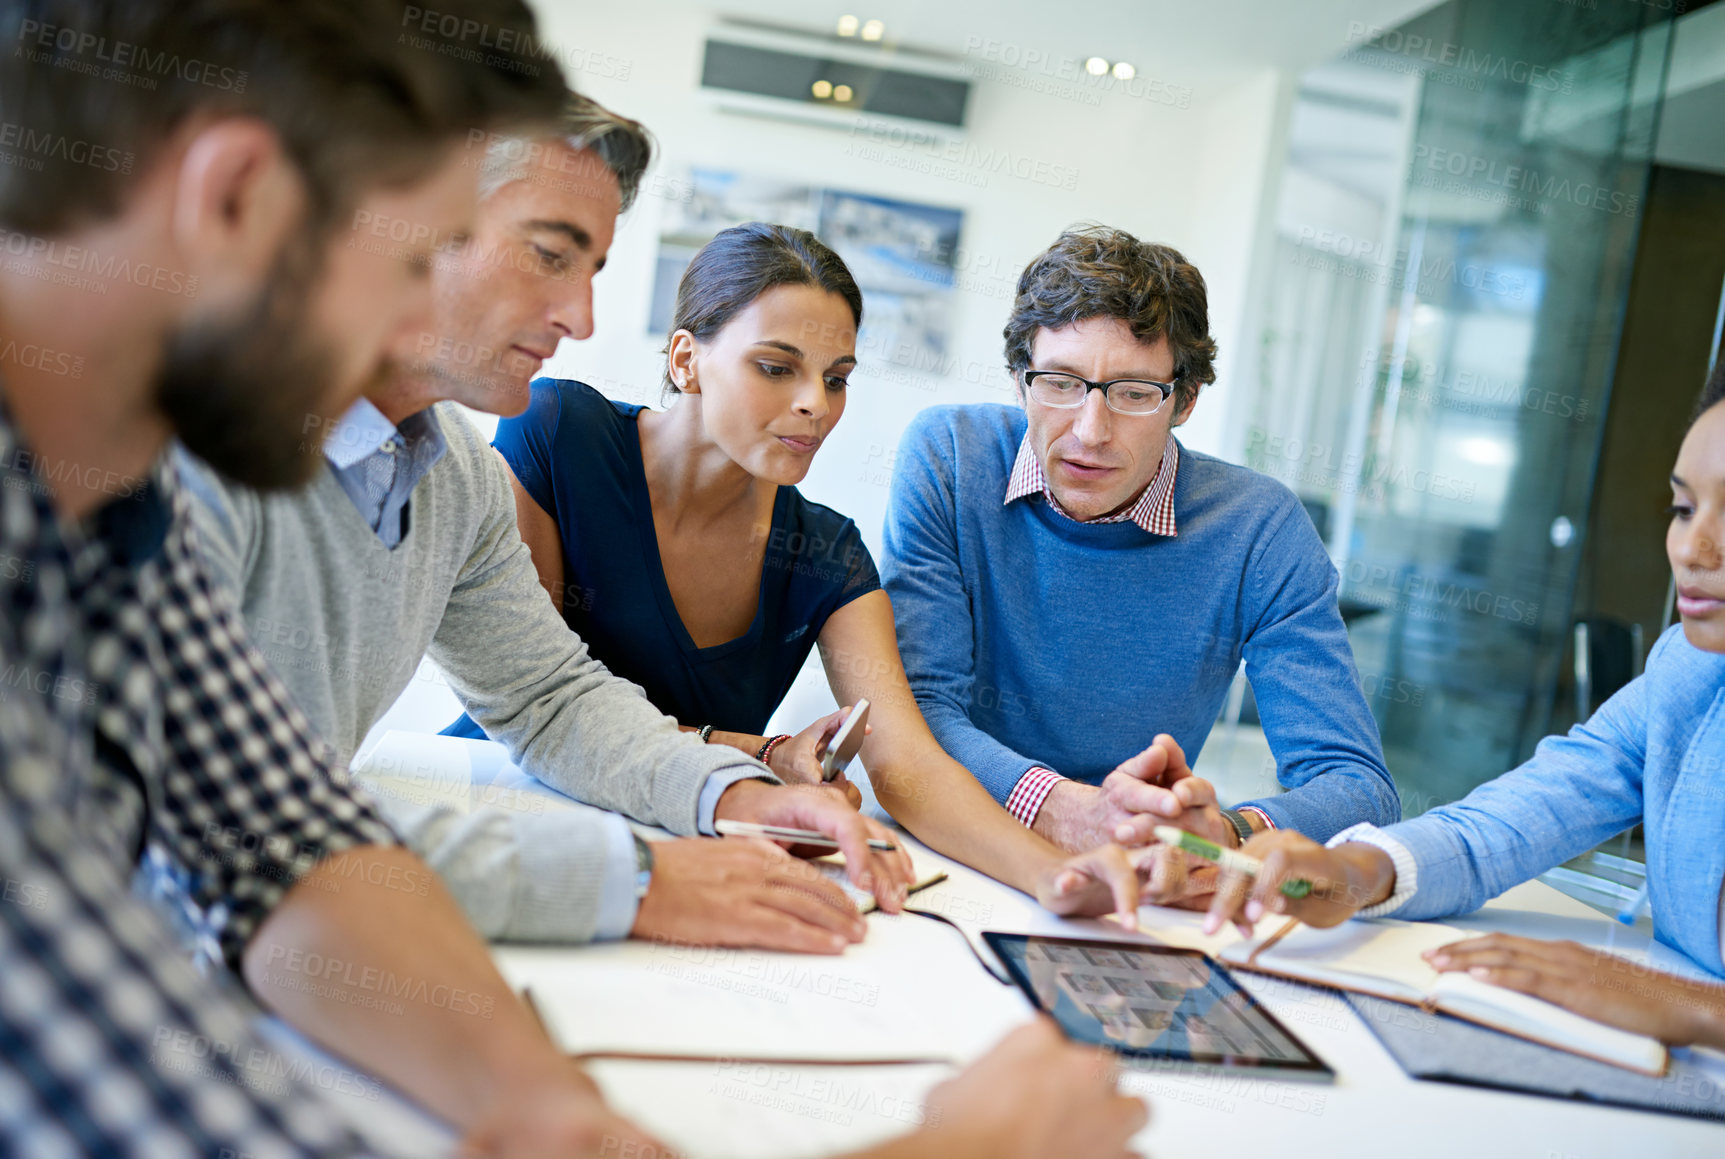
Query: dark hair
point(1713, 393)
point(361, 92)
point(1093, 271)
point(744, 262)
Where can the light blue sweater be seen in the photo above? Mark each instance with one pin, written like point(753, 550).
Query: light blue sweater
point(1034, 640)
point(1653, 753)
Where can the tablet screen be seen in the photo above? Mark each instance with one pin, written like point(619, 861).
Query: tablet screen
point(1157, 1002)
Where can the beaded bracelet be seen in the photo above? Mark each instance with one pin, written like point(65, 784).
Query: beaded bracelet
point(706, 733)
point(767, 749)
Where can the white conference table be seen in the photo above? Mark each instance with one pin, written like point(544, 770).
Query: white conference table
point(707, 1111)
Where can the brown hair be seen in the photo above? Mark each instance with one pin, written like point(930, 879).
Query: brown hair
point(1093, 271)
point(359, 91)
point(744, 262)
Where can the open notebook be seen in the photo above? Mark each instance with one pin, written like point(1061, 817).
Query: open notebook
point(1382, 958)
point(833, 865)
point(906, 993)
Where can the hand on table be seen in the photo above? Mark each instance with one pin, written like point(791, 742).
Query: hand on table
point(559, 1117)
point(1594, 983)
point(1347, 878)
point(1156, 787)
point(743, 891)
point(885, 875)
point(1035, 1095)
point(798, 761)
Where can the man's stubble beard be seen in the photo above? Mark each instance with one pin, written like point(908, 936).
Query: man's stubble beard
point(248, 394)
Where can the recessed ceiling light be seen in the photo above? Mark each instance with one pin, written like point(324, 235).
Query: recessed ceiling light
point(822, 89)
point(847, 25)
point(873, 30)
point(842, 93)
point(1096, 66)
point(1124, 71)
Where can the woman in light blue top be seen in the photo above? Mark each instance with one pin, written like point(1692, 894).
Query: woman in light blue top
point(1653, 754)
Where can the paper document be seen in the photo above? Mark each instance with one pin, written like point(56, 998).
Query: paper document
point(639, 998)
point(1382, 957)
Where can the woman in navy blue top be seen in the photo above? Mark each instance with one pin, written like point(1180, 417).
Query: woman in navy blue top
point(578, 457)
point(676, 545)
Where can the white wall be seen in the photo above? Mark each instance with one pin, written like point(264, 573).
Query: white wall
point(1200, 178)
point(1229, 229)
point(1192, 177)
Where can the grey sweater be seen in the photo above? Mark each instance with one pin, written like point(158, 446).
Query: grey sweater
point(345, 620)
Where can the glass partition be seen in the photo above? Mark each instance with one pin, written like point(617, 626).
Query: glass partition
point(1455, 233)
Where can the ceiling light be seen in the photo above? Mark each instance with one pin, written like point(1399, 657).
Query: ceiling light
point(842, 93)
point(822, 89)
point(1096, 66)
point(873, 30)
point(1124, 71)
point(847, 25)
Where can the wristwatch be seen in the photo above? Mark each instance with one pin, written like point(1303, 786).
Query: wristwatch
point(643, 867)
point(1242, 827)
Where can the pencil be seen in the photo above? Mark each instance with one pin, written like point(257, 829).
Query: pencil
point(1287, 928)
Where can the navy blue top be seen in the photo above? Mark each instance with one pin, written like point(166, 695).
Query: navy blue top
point(578, 454)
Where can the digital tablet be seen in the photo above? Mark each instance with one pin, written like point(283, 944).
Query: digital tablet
point(1178, 1007)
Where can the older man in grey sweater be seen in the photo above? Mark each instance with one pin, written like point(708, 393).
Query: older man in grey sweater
point(406, 546)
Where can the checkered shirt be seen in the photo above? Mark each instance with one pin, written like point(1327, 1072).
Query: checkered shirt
point(134, 713)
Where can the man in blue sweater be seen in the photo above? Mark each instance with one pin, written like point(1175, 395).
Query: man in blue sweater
point(1072, 586)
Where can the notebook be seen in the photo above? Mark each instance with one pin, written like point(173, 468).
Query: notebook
point(1382, 958)
point(1437, 1048)
point(638, 999)
point(833, 865)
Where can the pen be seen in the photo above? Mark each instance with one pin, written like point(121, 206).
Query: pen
point(800, 836)
point(1226, 858)
point(1630, 912)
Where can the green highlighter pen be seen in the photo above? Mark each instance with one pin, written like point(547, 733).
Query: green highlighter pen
point(1226, 858)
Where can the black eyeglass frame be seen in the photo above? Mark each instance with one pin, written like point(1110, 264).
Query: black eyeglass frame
point(1029, 377)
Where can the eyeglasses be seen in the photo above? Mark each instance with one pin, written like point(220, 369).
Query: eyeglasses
point(1127, 396)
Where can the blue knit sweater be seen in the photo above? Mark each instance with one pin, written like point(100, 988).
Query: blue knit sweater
point(1031, 639)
